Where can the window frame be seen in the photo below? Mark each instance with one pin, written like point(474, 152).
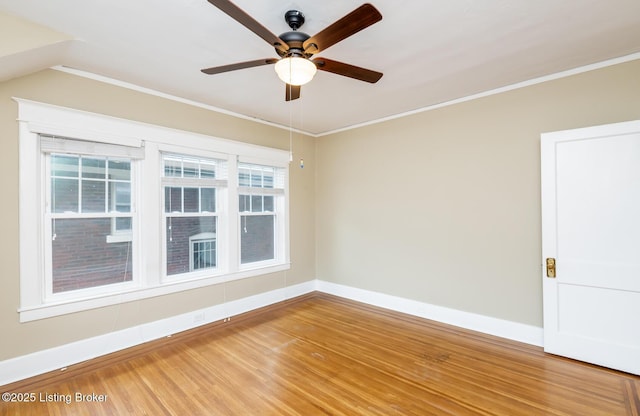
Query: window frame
point(220, 186)
point(277, 191)
point(36, 119)
point(83, 152)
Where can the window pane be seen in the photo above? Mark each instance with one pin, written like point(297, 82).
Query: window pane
point(208, 199)
point(207, 170)
point(268, 203)
point(243, 177)
point(256, 178)
point(245, 203)
point(178, 232)
point(172, 199)
point(256, 203)
point(123, 224)
point(93, 168)
point(172, 167)
point(267, 178)
point(82, 258)
point(120, 170)
point(64, 166)
point(120, 196)
point(257, 238)
point(64, 195)
point(190, 168)
point(93, 196)
point(191, 200)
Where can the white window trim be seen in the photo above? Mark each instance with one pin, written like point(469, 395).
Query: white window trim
point(36, 118)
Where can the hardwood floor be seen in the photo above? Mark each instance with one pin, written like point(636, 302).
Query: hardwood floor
point(323, 355)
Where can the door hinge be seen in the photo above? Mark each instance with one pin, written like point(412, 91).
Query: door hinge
point(551, 267)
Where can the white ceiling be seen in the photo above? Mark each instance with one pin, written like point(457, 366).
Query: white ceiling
point(430, 51)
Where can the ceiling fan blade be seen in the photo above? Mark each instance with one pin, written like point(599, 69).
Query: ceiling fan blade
point(250, 23)
point(347, 70)
point(292, 92)
point(361, 18)
point(240, 65)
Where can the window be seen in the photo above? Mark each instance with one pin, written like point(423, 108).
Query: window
point(82, 213)
point(260, 188)
point(107, 217)
point(189, 189)
point(202, 254)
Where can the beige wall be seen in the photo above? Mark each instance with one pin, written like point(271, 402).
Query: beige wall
point(59, 88)
point(443, 207)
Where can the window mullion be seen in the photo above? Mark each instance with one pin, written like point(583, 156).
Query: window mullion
point(182, 199)
point(106, 187)
point(232, 218)
point(80, 186)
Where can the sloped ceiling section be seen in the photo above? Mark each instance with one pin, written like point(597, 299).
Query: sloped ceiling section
point(27, 47)
point(430, 51)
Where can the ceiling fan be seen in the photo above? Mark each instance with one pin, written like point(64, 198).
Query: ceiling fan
point(295, 66)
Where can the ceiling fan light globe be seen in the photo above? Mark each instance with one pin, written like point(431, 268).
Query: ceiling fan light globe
point(295, 70)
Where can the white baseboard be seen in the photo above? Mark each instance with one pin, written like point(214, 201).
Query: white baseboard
point(493, 326)
point(60, 357)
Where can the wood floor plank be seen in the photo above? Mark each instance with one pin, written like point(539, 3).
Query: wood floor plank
point(323, 355)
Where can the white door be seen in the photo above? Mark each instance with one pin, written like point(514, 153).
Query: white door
point(591, 227)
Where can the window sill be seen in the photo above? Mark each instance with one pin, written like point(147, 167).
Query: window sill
point(119, 238)
point(48, 310)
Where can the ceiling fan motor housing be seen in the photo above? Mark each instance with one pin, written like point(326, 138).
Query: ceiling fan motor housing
point(294, 39)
